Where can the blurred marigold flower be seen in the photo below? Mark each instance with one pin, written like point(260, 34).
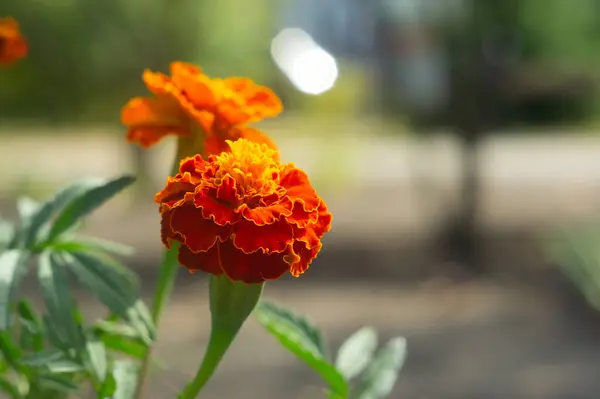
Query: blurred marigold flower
point(189, 102)
point(244, 214)
point(13, 46)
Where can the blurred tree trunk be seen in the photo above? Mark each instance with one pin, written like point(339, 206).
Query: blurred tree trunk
point(479, 70)
point(470, 109)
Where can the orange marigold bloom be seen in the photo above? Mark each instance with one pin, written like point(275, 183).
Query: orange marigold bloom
point(189, 102)
point(244, 214)
point(13, 46)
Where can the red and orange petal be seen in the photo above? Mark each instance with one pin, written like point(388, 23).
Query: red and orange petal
point(151, 119)
point(243, 102)
point(189, 97)
point(200, 90)
point(243, 214)
point(168, 88)
point(13, 46)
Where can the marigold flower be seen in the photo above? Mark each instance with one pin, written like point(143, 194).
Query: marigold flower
point(244, 214)
point(189, 102)
point(13, 46)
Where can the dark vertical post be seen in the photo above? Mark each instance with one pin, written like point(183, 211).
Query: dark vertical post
point(478, 72)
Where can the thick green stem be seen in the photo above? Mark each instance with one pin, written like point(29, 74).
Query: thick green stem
point(230, 304)
point(220, 340)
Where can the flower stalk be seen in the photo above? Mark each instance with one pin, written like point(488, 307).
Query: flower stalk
point(231, 302)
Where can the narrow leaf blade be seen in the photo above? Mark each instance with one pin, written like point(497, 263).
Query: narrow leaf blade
point(39, 216)
point(7, 234)
point(356, 353)
point(109, 387)
point(10, 350)
point(42, 358)
point(58, 299)
point(32, 333)
point(309, 332)
point(114, 287)
point(382, 373)
point(121, 338)
point(12, 270)
point(64, 366)
point(86, 203)
point(126, 378)
point(27, 208)
point(93, 245)
point(282, 324)
point(97, 358)
point(8, 388)
point(57, 383)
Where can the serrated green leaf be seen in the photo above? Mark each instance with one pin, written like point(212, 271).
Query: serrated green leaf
point(290, 330)
point(114, 288)
point(58, 299)
point(13, 267)
point(87, 202)
point(57, 383)
point(93, 245)
point(382, 373)
point(32, 331)
point(126, 378)
point(356, 352)
point(8, 388)
point(97, 358)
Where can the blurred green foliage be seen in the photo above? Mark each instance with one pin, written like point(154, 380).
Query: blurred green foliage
point(86, 58)
point(565, 33)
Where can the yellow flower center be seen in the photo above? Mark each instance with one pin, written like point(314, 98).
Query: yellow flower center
point(254, 166)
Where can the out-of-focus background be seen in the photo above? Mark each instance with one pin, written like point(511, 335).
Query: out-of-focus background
point(455, 141)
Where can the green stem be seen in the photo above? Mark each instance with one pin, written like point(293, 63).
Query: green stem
point(166, 281)
point(220, 340)
point(230, 304)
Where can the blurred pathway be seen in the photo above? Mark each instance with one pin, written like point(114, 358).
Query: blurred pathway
point(377, 187)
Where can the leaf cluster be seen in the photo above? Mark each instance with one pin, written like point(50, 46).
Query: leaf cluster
point(54, 353)
point(359, 370)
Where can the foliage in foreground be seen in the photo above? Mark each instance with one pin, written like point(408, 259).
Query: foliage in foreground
point(57, 352)
point(358, 371)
